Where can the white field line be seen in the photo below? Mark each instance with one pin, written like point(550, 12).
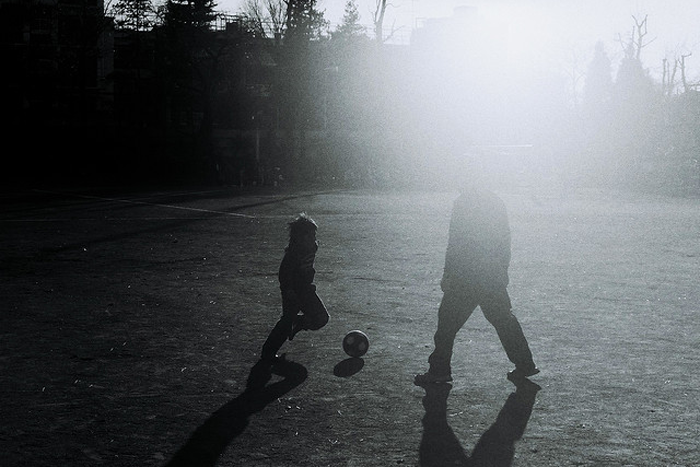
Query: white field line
point(115, 219)
point(144, 203)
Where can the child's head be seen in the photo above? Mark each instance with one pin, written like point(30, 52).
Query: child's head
point(302, 231)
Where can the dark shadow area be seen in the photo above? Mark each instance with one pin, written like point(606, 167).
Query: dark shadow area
point(348, 367)
point(440, 447)
point(209, 441)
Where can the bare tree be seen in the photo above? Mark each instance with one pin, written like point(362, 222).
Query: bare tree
point(633, 47)
point(378, 20)
point(135, 15)
point(684, 81)
point(668, 76)
point(266, 17)
point(379, 12)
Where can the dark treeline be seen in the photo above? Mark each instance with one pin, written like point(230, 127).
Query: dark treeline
point(180, 93)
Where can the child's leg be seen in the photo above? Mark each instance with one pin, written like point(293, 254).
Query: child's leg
point(277, 336)
point(282, 330)
point(315, 314)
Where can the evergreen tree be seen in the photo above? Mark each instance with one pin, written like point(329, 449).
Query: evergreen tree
point(190, 15)
point(349, 73)
point(636, 106)
point(304, 22)
point(597, 90)
point(191, 69)
point(350, 27)
point(633, 81)
point(299, 71)
point(188, 40)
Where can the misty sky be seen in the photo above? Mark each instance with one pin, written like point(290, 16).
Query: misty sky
point(555, 27)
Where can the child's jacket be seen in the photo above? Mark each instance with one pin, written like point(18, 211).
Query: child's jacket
point(297, 270)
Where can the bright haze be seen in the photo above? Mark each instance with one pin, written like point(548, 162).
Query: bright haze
point(549, 27)
point(502, 76)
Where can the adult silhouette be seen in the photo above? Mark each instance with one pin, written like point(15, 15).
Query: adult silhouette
point(476, 274)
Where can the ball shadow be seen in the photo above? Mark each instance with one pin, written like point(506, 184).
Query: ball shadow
point(348, 367)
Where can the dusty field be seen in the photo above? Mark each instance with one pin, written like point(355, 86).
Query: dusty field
point(131, 322)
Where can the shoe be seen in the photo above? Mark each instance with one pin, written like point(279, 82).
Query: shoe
point(521, 373)
point(432, 378)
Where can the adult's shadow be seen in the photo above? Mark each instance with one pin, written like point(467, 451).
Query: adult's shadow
point(440, 447)
point(209, 441)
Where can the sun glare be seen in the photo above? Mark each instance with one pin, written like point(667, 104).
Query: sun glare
point(523, 31)
point(501, 39)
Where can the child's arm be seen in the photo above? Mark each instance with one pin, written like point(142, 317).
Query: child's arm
point(306, 270)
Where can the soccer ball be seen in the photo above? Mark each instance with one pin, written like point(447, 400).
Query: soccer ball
point(355, 343)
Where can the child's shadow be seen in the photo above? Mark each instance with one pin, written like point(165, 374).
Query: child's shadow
point(210, 440)
point(440, 447)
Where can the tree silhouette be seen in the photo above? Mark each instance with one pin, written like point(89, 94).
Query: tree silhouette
point(350, 27)
point(304, 22)
point(191, 68)
point(636, 110)
point(597, 90)
point(134, 15)
point(298, 75)
point(266, 18)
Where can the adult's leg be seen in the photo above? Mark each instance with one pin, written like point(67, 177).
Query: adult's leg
point(496, 307)
point(454, 311)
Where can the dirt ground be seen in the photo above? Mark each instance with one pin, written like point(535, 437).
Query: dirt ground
point(131, 326)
